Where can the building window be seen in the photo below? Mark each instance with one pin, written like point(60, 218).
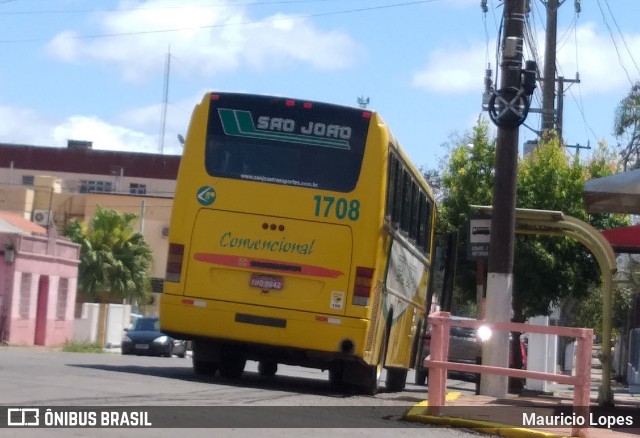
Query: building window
point(91, 186)
point(25, 296)
point(28, 180)
point(137, 189)
point(63, 293)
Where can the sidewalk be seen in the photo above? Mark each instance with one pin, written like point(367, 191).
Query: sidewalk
point(507, 417)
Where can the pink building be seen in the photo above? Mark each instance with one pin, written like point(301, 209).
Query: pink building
point(38, 280)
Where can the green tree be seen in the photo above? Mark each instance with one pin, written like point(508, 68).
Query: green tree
point(114, 258)
point(546, 269)
point(626, 127)
point(467, 179)
point(554, 268)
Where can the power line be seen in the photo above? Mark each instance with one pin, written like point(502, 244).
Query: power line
point(564, 39)
point(613, 40)
point(606, 2)
point(579, 102)
point(155, 8)
point(223, 25)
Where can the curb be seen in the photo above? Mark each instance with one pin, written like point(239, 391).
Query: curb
point(416, 413)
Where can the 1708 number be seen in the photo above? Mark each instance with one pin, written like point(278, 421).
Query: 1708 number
point(341, 208)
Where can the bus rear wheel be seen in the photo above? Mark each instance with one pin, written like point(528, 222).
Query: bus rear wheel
point(232, 367)
point(336, 375)
point(204, 368)
point(421, 376)
point(267, 368)
point(396, 379)
point(372, 379)
point(373, 373)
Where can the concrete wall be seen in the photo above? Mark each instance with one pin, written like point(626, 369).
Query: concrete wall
point(87, 327)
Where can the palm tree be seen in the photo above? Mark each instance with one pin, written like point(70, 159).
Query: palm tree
point(114, 258)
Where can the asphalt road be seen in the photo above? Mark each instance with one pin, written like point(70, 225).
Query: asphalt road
point(295, 402)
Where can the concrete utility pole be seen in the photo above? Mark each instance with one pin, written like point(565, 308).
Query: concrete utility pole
point(500, 275)
point(549, 79)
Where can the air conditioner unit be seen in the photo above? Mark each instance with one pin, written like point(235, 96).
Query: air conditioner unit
point(41, 217)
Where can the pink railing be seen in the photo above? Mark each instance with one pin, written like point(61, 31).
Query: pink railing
point(439, 365)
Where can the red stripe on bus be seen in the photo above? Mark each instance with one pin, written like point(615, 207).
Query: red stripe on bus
point(245, 262)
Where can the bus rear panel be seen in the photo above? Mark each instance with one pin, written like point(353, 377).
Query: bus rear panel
point(277, 251)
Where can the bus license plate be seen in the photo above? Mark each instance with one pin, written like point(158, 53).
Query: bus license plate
point(267, 282)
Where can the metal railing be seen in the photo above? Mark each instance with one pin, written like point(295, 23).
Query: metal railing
point(439, 365)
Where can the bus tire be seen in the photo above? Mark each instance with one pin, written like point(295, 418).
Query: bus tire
point(267, 368)
point(204, 368)
point(396, 379)
point(232, 367)
point(421, 376)
point(373, 373)
point(336, 375)
point(373, 377)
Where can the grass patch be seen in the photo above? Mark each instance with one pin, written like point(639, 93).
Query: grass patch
point(82, 347)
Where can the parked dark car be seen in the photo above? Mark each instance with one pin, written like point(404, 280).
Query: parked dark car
point(145, 338)
point(465, 346)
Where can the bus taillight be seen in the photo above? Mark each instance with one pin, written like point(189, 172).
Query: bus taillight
point(362, 286)
point(174, 262)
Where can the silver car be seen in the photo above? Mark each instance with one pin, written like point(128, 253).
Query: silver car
point(464, 346)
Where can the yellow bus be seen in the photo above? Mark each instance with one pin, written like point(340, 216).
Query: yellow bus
point(300, 234)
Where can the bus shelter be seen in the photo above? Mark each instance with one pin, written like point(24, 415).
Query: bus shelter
point(556, 223)
point(619, 193)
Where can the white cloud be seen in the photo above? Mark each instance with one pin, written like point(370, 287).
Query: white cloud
point(458, 70)
point(452, 71)
point(24, 126)
point(598, 64)
point(210, 40)
point(148, 119)
point(103, 135)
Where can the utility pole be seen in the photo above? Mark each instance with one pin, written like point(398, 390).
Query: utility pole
point(165, 99)
point(561, 81)
point(508, 108)
point(549, 74)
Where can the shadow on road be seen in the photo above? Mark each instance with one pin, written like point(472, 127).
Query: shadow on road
point(252, 379)
point(301, 385)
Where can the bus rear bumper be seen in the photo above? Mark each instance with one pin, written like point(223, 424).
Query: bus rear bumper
point(296, 337)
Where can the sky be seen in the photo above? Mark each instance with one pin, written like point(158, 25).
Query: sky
point(96, 70)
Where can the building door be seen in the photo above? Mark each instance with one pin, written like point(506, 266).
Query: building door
point(41, 311)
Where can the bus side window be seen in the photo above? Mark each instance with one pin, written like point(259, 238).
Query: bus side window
point(397, 199)
point(428, 219)
point(391, 186)
point(406, 202)
point(415, 212)
point(423, 225)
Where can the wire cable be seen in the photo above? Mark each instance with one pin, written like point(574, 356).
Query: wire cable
point(606, 2)
point(224, 25)
point(613, 40)
point(155, 8)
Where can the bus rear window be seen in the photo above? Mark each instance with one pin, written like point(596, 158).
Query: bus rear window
point(281, 141)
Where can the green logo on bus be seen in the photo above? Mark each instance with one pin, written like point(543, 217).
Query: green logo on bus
point(206, 195)
point(240, 123)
